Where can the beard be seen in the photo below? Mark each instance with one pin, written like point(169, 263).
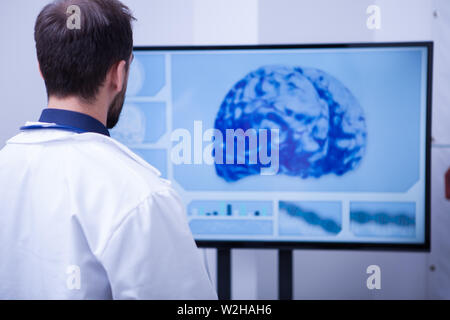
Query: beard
point(115, 108)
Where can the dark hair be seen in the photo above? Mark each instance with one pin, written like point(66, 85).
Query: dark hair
point(75, 61)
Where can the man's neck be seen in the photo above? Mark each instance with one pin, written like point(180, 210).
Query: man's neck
point(95, 110)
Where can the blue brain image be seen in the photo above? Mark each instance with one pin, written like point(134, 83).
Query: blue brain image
point(322, 127)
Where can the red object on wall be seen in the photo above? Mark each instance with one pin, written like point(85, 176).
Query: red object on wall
point(447, 184)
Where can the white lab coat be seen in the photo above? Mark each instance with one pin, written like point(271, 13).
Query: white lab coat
point(82, 217)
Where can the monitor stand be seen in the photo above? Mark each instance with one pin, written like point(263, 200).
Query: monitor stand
point(285, 274)
point(224, 273)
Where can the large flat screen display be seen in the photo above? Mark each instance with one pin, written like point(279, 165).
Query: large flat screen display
point(291, 145)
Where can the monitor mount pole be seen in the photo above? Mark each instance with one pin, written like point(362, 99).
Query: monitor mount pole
point(224, 273)
point(285, 274)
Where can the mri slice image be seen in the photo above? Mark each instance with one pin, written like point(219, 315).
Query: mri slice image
point(321, 125)
point(132, 125)
point(147, 75)
point(309, 218)
point(140, 123)
point(383, 219)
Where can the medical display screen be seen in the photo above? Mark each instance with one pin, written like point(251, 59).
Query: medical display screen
point(321, 145)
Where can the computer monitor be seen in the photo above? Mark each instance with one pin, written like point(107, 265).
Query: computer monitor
point(289, 146)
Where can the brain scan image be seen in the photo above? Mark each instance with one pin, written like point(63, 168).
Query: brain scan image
point(137, 78)
point(322, 127)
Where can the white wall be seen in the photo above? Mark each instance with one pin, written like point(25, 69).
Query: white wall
point(439, 279)
point(441, 94)
point(318, 274)
point(22, 92)
point(342, 274)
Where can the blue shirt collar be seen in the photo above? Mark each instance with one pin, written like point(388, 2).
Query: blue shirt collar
point(73, 119)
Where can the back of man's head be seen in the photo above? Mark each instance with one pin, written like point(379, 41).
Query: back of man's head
point(78, 41)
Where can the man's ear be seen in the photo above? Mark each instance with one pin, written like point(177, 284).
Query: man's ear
point(118, 73)
point(40, 72)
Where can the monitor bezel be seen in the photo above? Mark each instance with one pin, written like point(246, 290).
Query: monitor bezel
point(263, 244)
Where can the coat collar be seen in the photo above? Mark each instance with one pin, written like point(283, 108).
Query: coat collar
point(79, 121)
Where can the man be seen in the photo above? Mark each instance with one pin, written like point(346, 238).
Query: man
point(82, 217)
